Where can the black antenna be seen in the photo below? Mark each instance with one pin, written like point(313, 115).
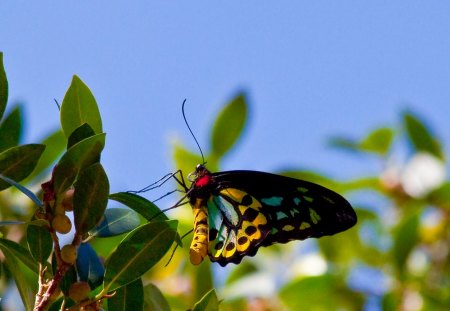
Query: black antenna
point(189, 128)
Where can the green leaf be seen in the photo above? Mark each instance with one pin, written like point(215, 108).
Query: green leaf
point(441, 196)
point(140, 250)
point(56, 144)
point(319, 293)
point(25, 281)
point(90, 197)
point(79, 107)
point(229, 125)
point(18, 162)
point(116, 221)
point(140, 205)
point(405, 237)
point(89, 267)
point(154, 299)
point(128, 298)
point(24, 190)
point(209, 302)
point(11, 129)
point(420, 136)
point(3, 87)
point(378, 141)
point(19, 252)
point(79, 156)
point(344, 143)
point(82, 132)
point(40, 242)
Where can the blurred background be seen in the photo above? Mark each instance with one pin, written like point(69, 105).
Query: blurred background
point(309, 72)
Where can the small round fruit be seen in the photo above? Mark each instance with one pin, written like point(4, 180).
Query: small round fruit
point(67, 200)
point(61, 223)
point(69, 254)
point(79, 291)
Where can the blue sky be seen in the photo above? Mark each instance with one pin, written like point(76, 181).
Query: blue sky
point(311, 69)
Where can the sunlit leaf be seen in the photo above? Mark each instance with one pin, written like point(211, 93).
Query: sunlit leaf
point(319, 293)
point(79, 107)
point(420, 135)
point(405, 239)
point(79, 156)
point(40, 242)
point(116, 221)
point(209, 302)
point(26, 282)
point(22, 189)
point(140, 250)
point(378, 141)
point(140, 205)
point(441, 196)
point(19, 252)
point(128, 297)
point(185, 160)
point(89, 267)
point(3, 87)
point(154, 299)
point(90, 197)
point(56, 144)
point(229, 125)
point(18, 162)
point(203, 280)
point(11, 129)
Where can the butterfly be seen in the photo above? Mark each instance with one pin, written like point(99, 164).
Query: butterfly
point(236, 212)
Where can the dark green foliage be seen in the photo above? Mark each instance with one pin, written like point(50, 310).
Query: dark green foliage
point(128, 298)
point(3, 87)
point(138, 252)
point(11, 129)
point(90, 198)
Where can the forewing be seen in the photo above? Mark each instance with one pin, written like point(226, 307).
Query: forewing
point(294, 209)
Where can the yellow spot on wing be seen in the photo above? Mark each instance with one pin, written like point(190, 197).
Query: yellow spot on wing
point(304, 225)
point(234, 194)
point(288, 228)
point(314, 216)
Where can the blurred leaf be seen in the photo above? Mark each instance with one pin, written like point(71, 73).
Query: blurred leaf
point(185, 160)
point(229, 125)
point(56, 144)
point(344, 143)
point(18, 162)
point(405, 237)
point(82, 132)
point(88, 265)
point(390, 302)
point(154, 299)
point(420, 136)
point(24, 284)
point(319, 293)
point(79, 107)
point(441, 196)
point(40, 242)
point(311, 177)
point(378, 141)
point(3, 87)
point(128, 297)
point(12, 222)
point(140, 205)
point(116, 221)
point(243, 269)
point(22, 189)
point(209, 302)
point(90, 197)
point(203, 280)
point(79, 156)
point(140, 250)
point(11, 129)
point(20, 253)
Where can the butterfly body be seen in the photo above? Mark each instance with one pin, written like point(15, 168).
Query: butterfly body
point(236, 212)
